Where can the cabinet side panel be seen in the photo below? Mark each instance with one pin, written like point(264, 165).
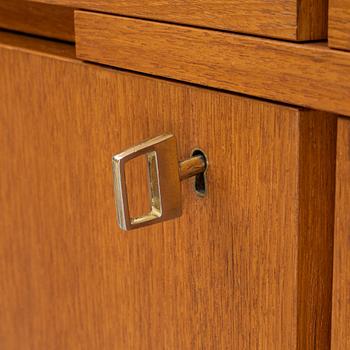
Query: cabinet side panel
point(316, 220)
point(341, 269)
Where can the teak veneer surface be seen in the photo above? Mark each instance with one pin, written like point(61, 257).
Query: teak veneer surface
point(286, 19)
point(248, 266)
point(310, 75)
point(339, 24)
point(40, 19)
point(341, 270)
point(43, 47)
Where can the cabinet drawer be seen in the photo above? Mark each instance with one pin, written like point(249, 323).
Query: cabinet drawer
point(310, 75)
point(341, 270)
point(245, 267)
point(285, 19)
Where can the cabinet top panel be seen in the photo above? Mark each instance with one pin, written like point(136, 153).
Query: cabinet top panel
point(285, 19)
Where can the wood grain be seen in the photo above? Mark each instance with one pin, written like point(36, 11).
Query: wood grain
point(341, 279)
point(339, 24)
point(43, 47)
point(308, 75)
point(233, 272)
point(312, 18)
point(40, 19)
point(317, 150)
point(284, 19)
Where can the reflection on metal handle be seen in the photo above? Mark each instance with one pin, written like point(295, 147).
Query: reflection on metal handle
point(164, 176)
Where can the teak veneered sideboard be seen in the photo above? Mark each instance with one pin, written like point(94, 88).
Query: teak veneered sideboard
point(175, 174)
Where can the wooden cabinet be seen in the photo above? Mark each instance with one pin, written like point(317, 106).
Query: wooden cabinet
point(341, 270)
point(260, 261)
point(246, 267)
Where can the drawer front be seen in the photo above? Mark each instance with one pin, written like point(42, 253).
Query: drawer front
point(245, 267)
point(341, 270)
point(310, 75)
point(286, 19)
point(339, 24)
point(40, 19)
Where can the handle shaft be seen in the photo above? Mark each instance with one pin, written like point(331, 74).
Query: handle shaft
point(191, 167)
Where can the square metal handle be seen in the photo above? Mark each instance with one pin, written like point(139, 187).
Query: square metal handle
point(163, 177)
point(164, 180)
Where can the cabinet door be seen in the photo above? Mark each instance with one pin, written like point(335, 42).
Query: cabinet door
point(341, 272)
point(246, 267)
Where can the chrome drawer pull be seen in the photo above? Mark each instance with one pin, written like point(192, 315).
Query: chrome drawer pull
point(164, 176)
